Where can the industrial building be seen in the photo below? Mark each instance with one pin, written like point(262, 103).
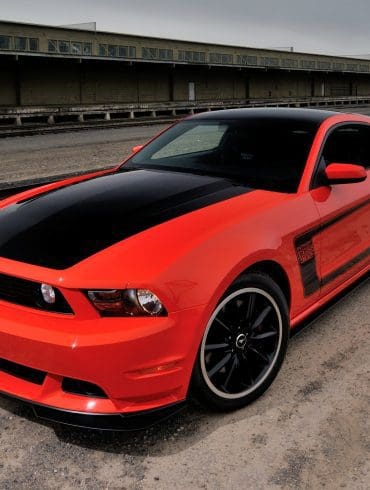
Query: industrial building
point(45, 67)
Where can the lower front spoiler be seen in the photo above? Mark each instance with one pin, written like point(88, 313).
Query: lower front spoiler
point(109, 422)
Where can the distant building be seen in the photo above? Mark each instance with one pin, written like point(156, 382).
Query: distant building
point(59, 66)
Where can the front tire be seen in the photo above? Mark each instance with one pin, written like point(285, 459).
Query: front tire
point(244, 344)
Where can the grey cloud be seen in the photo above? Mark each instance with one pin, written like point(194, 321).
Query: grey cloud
point(333, 26)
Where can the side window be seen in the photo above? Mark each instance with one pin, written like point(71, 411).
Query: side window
point(348, 144)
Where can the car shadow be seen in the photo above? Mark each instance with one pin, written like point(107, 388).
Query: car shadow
point(170, 436)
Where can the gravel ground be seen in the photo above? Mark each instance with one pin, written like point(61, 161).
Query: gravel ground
point(310, 430)
point(30, 157)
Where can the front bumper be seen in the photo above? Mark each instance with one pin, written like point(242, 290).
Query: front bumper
point(107, 422)
point(141, 364)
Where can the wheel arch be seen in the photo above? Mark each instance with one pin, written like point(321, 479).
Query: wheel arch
point(276, 272)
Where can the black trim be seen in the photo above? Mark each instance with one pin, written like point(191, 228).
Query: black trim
point(22, 372)
point(82, 388)
point(346, 181)
point(28, 293)
point(308, 268)
point(107, 422)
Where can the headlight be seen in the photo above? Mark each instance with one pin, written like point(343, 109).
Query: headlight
point(126, 302)
point(149, 302)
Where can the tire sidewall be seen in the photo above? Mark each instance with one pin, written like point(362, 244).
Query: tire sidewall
point(199, 386)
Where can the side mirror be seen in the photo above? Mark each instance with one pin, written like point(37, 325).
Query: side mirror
point(137, 148)
point(344, 173)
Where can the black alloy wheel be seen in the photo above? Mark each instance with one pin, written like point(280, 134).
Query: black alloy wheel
point(243, 345)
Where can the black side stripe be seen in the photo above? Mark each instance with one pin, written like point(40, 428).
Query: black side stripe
point(348, 265)
point(307, 259)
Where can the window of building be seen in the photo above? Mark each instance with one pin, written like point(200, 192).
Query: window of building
point(192, 56)
point(165, 54)
point(103, 50)
point(309, 65)
point(289, 63)
point(364, 68)
point(123, 51)
point(215, 57)
point(52, 46)
point(227, 59)
point(221, 58)
point(76, 48)
point(132, 51)
point(112, 50)
point(324, 65)
point(34, 44)
point(126, 51)
point(20, 43)
point(4, 42)
point(149, 53)
point(352, 67)
point(338, 66)
point(63, 47)
point(265, 61)
point(246, 60)
point(199, 57)
point(87, 49)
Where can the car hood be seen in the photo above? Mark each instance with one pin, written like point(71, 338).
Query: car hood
point(60, 228)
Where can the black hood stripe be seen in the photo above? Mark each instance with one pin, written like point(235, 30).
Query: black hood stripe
point(60, 228)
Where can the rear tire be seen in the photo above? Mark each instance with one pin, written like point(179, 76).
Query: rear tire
point(244, 344)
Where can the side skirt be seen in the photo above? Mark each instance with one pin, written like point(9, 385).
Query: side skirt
point(298, 326)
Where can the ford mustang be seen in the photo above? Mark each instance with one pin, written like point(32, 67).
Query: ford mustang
point(182, 272)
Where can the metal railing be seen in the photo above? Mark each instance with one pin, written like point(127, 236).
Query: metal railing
point(84, 114)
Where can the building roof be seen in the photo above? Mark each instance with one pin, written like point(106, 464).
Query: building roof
point(203, 43)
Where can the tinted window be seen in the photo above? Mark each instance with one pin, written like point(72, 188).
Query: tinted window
point(263, 154)
point(348, 144)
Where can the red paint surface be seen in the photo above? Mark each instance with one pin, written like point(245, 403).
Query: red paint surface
point(193, 259)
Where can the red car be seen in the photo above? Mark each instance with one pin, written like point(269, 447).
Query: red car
point(181, 272)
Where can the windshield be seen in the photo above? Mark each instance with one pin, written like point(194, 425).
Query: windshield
point(262, 154)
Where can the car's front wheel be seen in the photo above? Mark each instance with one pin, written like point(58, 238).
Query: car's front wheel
point(244, 344)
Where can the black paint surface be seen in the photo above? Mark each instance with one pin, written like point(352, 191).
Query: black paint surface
point(62, 227)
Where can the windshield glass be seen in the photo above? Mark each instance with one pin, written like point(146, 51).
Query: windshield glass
point(262, 154)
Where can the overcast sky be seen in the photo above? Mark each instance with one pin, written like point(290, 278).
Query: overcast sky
point(332, 26)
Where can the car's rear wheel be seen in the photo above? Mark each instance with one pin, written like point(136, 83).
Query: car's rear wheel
point(244, 344)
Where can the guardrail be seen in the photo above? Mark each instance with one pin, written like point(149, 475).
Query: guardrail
point(81, 114)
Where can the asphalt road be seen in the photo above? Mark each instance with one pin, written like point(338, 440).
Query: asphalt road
point(310, 430)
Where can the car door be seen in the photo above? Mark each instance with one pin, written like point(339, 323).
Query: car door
point(344, 209)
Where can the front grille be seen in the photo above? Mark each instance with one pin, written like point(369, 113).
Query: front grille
point(28, 293)
point(23, 372)
point(78, 387)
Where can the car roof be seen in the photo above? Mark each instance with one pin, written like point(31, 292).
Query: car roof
point(268, 113)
